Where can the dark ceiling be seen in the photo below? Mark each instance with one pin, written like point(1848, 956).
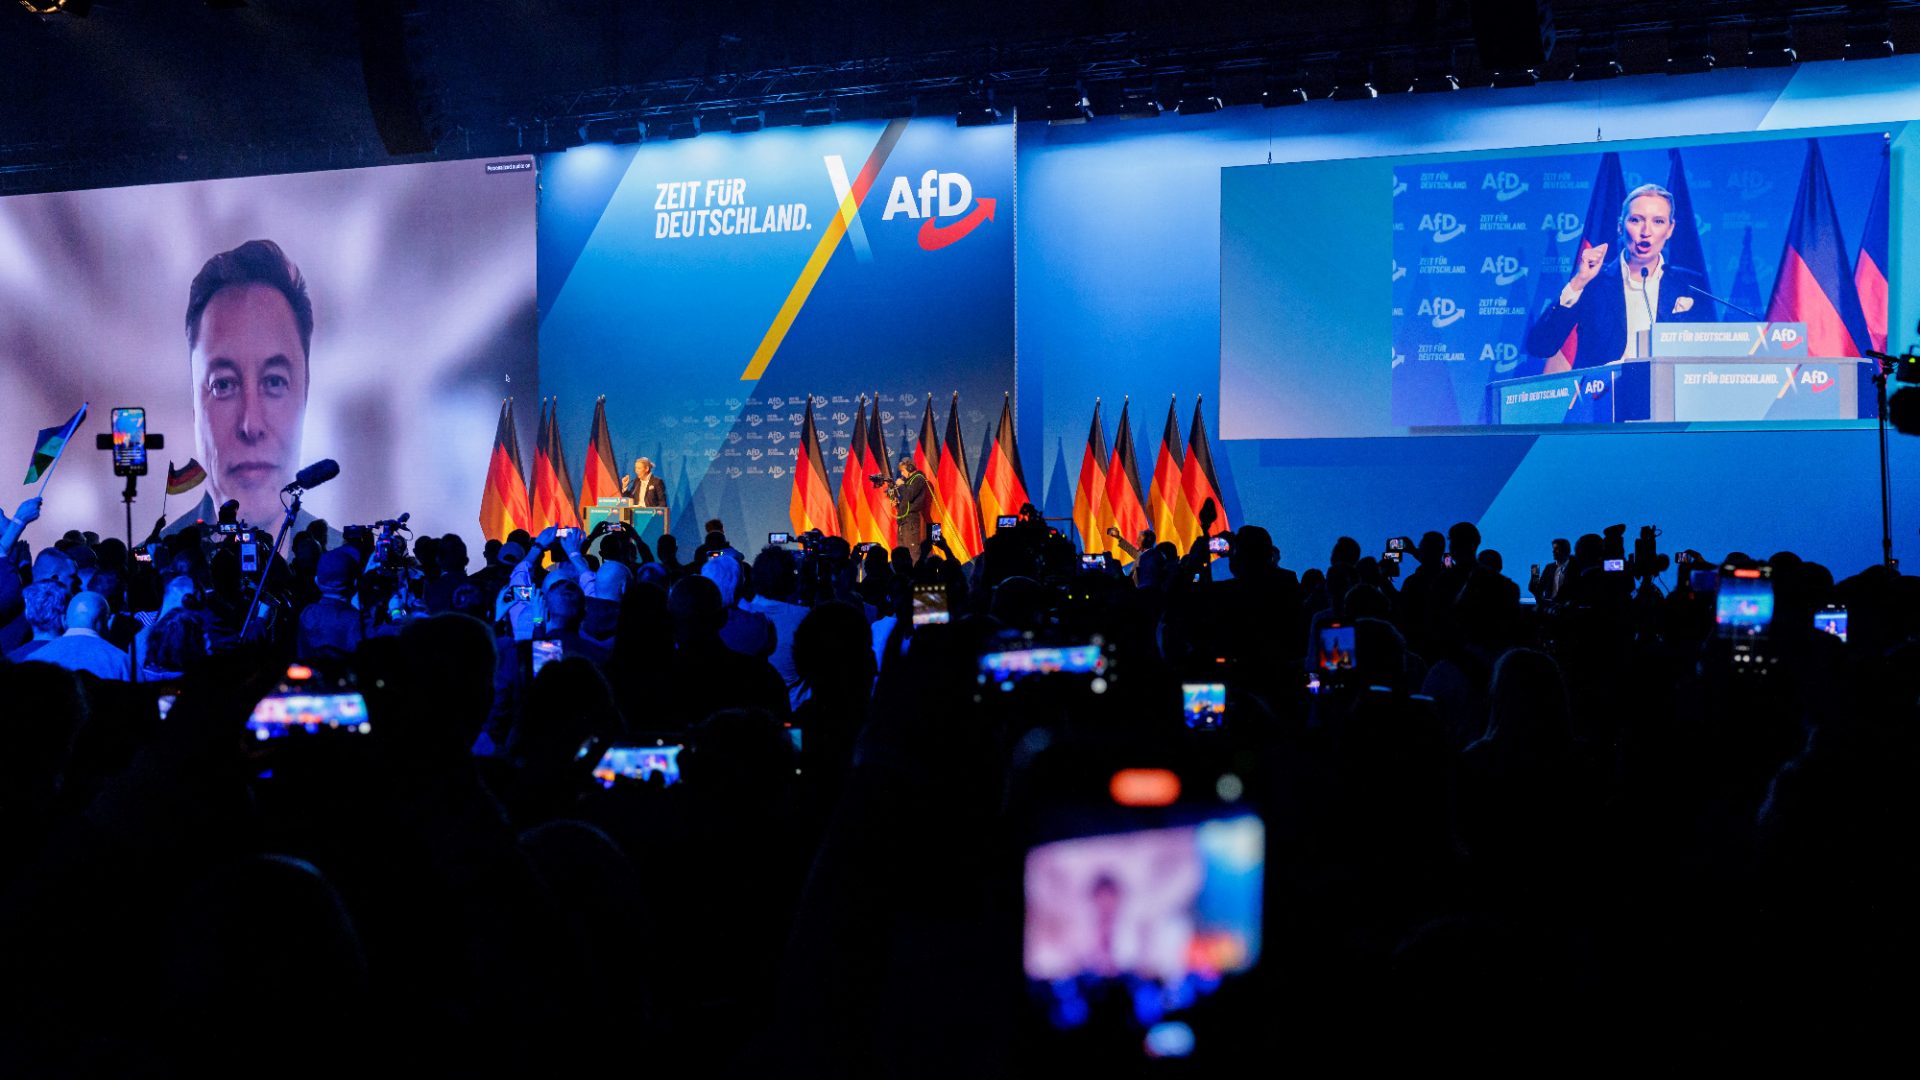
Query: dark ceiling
point(152, 90)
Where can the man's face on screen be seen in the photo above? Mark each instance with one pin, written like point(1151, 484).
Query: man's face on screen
point(250, 397)
point(1648, 224)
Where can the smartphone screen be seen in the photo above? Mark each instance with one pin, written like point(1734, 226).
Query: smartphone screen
point(936, 533)
point(1396, 543)
point(1204, 705)
point(1153, 918)
point(775, 539)
point(1094, 560)
point(1831, 620)
point(1219, 545)
point(280, 715)
point(638, 763)
point(523, 593)
point(1006, 521)
point(545, 651)
point(930, 604)
point(1614, 566)
point(1334, 648)
point(1743, 610)
point(129, 441)
point(1392, 557)
point(1446, 561)
point(249, 557)
point(1013, 666)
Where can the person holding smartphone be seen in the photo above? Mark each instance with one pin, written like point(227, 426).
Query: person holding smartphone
point(1544, 582)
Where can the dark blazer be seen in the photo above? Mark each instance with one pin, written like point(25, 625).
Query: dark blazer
point(655, 495)
point(1601, 315)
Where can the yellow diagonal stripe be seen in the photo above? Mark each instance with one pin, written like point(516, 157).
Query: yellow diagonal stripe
point(817, 262)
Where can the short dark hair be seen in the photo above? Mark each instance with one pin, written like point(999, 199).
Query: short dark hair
point(256, 262)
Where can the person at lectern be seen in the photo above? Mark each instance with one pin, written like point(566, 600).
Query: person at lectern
point(1610, 300)
point(643, 487)
point(911, 495)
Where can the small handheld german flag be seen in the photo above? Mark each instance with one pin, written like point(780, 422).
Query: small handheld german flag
point(184, 479)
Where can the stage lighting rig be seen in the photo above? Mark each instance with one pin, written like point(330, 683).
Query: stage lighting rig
point(1198, 95)
point(1689, 50)
point(76, 8)
point(1067, 103)
point(1353, 79)
point(1869, 34)
point(978, 110)
point(1138, 101)
point(1770, 45)
point(1596, 60)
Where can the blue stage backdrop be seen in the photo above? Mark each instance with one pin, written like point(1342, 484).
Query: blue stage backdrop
point(1121, 253)
point(709, 287)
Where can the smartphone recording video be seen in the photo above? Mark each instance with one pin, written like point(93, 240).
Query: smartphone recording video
point(1831, 619)
point(1744, 608)
point(546, 651)
point(279, 715)
point(779, 539)
point(1204, 705)
point(1219, 545)
point(1096, 560)
point(129, 442)
point(936, 533)
point(930, 604)
point(1334, 648)
point(1137, 928)
point(1009, 668)
point(630, 763)
point(1006, 521)
point(1399, 543)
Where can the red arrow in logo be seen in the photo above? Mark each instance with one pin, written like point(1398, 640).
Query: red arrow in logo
point(933, 236)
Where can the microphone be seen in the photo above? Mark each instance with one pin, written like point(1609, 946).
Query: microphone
point(1722, 301)
point(314, 475)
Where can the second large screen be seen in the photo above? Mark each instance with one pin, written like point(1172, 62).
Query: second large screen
point(1701, 283)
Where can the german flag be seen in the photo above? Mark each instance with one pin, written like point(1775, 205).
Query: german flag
point(1870, 267)
point(1003, 489)
point(601, 480)
point(926, 458)
point(1090, 514)
point(1172, 518)
point(885, 527)
point(503, 505)
point(186, 478)
point(856, 517)
point(1198, 483)
point(553, 502)
point(954, 481)
point(1814, 284)
point(811, 504)
point(1123, 487)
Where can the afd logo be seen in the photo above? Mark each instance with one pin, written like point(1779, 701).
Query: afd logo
point(1443, 311)
point(1784, 336)
point(1503, 355)
point(1398, 270)
point(1817, 381)
point(1566, 225)
point(1701, 226)
point(1750, 183)
point(1594, 388)
point(944, 205)
point(1444, 227)
point(1506, 186)
point(1399, 186)
point(1506, 269)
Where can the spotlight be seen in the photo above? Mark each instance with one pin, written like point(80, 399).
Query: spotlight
point(746, 121)
point(1283, 87)
point(76, 8)
point(1198, 96)
point(1868, 34)
point(1770, 45)
point(978, 109)
point(1689, 50)
point(1433, 72)
point(1353, 79)
point(1595, 60)
point(559, 137)
point(618, 130)
point(819, 113)
point(1066, 103)
point(1138, 101)
point(1514, 79)
point(683, 126)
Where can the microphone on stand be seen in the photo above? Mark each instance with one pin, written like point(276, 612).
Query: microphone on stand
point(1724, 302)
point(314, 475)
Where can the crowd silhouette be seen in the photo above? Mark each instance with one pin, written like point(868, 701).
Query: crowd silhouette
point(1541, 819)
